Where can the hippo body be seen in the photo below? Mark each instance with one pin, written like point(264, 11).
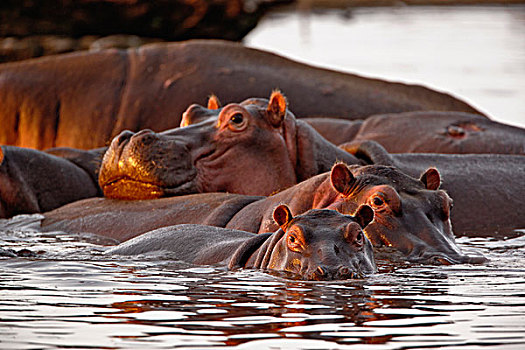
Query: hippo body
point(32, 181)
point(412, 217)
point(426, 132)
point(318, 245)
point(57, 101)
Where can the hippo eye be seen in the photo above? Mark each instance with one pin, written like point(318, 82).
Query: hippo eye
point(294, 243)
point(378, 201)
point(237, 122)
point(359, 238)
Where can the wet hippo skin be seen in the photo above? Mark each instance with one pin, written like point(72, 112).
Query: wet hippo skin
point(317, 245)
point(32, 181)
point(411, 214)
point(84, 99)
point(426, 132)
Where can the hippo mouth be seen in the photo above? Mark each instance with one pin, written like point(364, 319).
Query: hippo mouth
point(127, 188)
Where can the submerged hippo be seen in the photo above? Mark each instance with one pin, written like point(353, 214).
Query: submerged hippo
point(317, 245)
point(411, 215)
point(83, 99)
point(426, 132)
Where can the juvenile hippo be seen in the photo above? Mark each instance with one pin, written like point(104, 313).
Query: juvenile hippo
point(426, 132)
point(32, 181)
point(411, 215)
point(84, 99)
point(317, 245)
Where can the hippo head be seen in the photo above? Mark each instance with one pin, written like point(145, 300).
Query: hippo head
point(412, 215)
point(222, 152)
point(318, 245)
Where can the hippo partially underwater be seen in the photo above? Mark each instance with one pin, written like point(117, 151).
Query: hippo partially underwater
point(317, 245)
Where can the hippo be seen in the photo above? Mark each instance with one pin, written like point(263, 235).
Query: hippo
point(32, 181)
point(412, 215)
point(256, 147)
point(84, 99)
point(317, 245)
point(426, 132)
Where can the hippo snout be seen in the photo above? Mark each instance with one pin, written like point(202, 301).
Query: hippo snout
point(324, 273)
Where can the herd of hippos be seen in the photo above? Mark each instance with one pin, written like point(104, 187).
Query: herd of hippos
point(360, 163)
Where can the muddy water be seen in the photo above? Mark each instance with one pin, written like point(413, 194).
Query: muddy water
point(70, 295)
point(474, 52)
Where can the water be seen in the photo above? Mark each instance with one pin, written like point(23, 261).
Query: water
point(474, 52)
point(70, 295)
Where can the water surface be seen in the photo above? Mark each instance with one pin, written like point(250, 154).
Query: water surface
point(70, 295)
point(474, 52)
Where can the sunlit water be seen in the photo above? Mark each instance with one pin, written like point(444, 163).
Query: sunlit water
point(70, 295)
point(474, 52)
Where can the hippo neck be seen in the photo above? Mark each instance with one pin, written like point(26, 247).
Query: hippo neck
point(316, 155)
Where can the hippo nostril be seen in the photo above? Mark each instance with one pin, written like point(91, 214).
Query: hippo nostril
point(124, 136)
point(343, 271)
point(320, 271)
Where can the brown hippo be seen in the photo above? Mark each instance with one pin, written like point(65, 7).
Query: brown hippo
point(426, 132)
point(411, 215)
point(32, 181)
point(317, 245)
point(255, 147)
point(83, 99)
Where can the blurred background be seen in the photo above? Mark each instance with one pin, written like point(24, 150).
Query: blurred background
point(472, 49)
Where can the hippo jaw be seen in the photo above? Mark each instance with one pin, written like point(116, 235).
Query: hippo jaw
point(144, 166)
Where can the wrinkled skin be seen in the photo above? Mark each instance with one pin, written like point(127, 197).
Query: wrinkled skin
point(426, 132)
point(413, 217)
point(487, 189)
point(255, 147)
point(317, 245)
point(84, 99)
point(32, 181)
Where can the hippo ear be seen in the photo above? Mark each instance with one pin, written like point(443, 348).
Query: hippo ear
point(364, 215)
point(276, 110)
point(431, 179)
point(342, 179)
point(282, 215)
point(213, 102)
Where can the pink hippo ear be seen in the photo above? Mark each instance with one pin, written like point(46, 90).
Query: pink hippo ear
point(213, 102)
point(364, 215)
point(342, 179)
point(276, 108)
point(431, 179)
point(282, 215)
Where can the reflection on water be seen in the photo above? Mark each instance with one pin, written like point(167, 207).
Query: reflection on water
point(474, 52)
point(70, 293)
